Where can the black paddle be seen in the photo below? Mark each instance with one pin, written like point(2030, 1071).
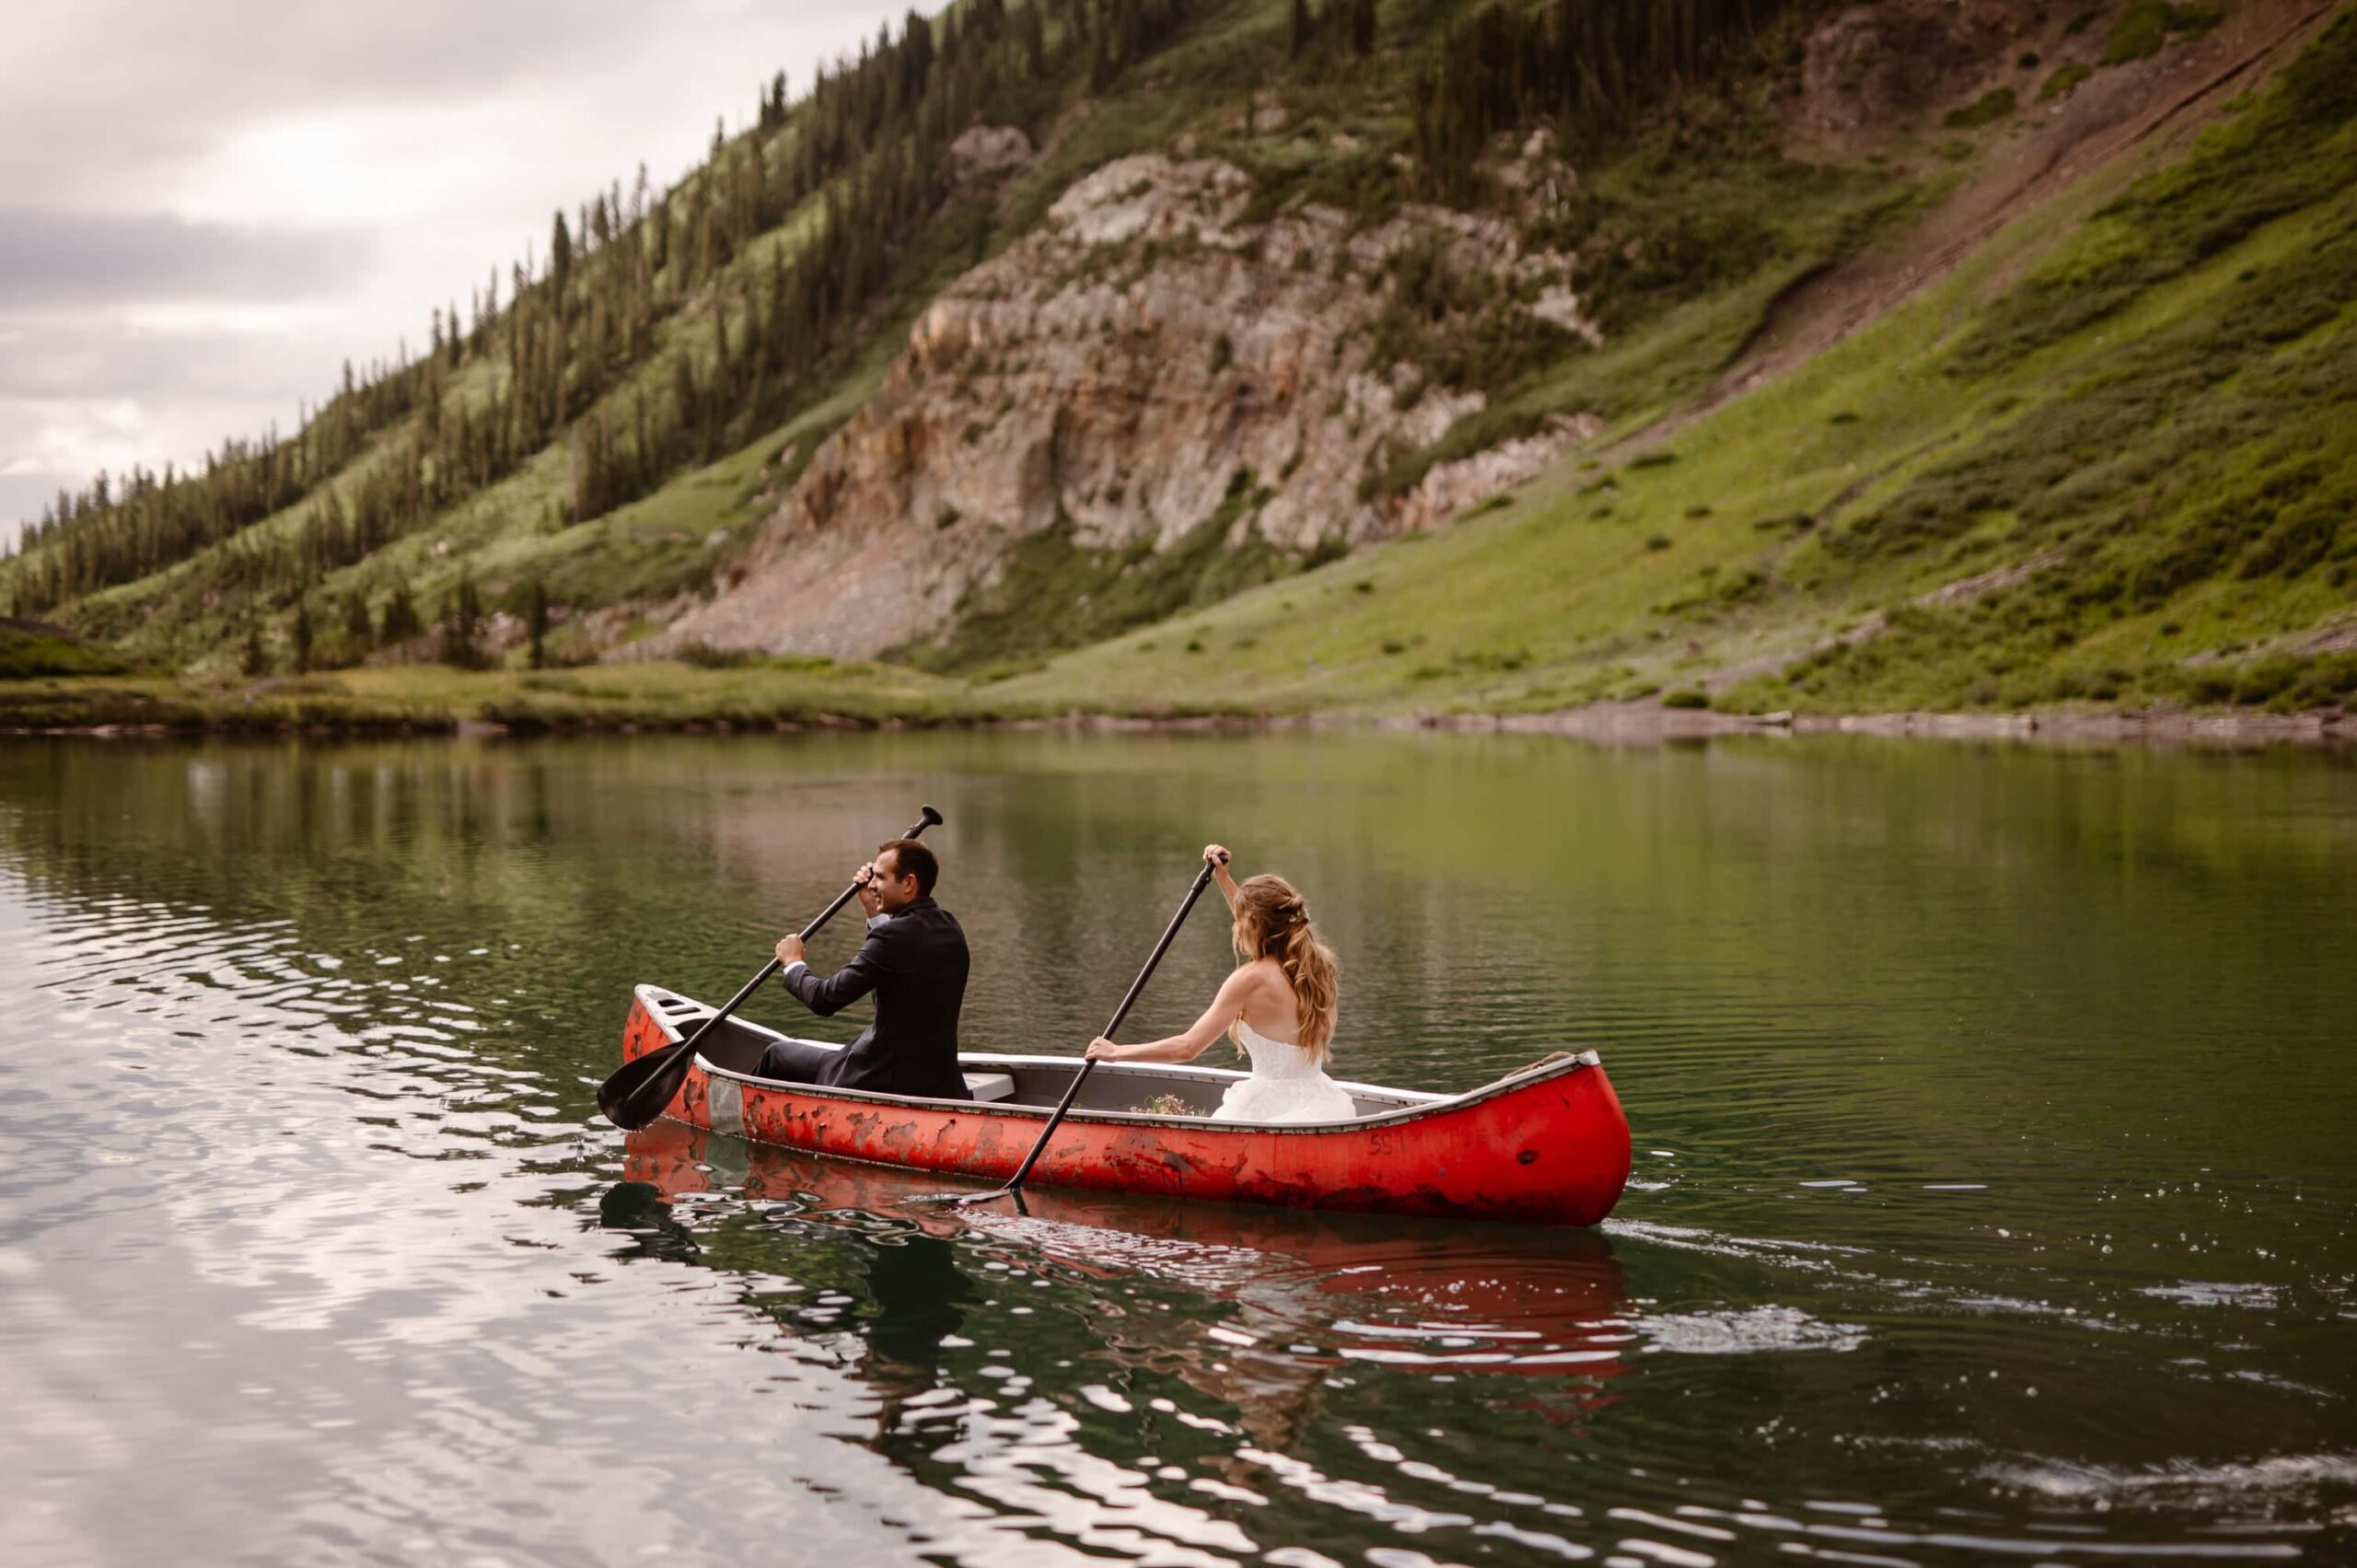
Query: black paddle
point(641, 1089)
point(1202, 880)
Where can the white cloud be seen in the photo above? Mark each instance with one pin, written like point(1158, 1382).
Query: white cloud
point(80, 438)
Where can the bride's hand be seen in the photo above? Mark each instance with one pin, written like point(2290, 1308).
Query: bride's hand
point(1102, 1050)
point(1216, 854)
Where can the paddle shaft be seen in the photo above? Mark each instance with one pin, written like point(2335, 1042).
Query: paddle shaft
point(640, 1078)
point(1202, 880)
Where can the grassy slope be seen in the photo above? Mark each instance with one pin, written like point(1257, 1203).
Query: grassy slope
point(30, 649)
point(649, 695)
point(1592, 586)
point(179, 614)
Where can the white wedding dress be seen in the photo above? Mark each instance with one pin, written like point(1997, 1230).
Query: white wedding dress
point(1287, 1085)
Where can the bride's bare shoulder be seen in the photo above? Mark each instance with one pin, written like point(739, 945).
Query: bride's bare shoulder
point(1263, 995)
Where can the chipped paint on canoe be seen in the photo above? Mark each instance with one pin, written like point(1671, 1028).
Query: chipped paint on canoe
point(725, 1098)
point(1551, 1144)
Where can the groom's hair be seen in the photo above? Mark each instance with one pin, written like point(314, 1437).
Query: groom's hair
point(914, 860)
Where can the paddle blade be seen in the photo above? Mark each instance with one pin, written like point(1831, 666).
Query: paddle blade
point(642, 1088)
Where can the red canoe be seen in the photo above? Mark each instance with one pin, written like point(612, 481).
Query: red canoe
point(1548, 1144)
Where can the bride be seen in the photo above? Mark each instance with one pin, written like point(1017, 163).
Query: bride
point(1279, 1006)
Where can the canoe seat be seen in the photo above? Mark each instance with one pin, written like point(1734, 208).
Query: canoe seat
point(991, 1085)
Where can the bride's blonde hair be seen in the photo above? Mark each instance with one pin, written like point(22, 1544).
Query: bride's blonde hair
point(1272, 921)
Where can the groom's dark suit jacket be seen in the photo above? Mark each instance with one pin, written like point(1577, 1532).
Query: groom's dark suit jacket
point(916, 963)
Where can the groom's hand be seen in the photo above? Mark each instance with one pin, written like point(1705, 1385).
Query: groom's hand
point(789, 950)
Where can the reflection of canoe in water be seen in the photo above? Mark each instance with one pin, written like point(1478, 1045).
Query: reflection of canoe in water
point(1409, 1294)
point(1548, 1144)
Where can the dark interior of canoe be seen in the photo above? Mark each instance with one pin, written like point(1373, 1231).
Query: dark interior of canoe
point(736, 1047)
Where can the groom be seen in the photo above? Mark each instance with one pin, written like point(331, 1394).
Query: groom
point(914, 959)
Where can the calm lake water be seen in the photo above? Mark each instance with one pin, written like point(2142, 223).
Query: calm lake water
point(1993, 1191)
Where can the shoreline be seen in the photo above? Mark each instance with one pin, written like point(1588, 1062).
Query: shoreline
point(259, 712)
point(2096, 726)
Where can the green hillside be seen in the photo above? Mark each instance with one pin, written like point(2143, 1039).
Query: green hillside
point(2107, 459)
point(2148, 446)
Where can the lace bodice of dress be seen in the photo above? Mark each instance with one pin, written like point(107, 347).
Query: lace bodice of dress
point(1277, 1058)
point(1287, 1084)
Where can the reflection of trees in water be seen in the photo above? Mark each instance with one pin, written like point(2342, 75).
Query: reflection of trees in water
point(509, 868)
point(1132, 1307)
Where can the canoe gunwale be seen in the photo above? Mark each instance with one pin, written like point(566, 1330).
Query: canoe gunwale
point(1429, 1105)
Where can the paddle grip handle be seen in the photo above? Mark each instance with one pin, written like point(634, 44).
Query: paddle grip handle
point(1169, 933)
point(930, 818)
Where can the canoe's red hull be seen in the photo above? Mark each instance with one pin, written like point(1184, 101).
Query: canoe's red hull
point(1550, 1145)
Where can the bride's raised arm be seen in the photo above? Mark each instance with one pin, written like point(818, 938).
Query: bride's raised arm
point(1225, 1008)
point(1218, 856)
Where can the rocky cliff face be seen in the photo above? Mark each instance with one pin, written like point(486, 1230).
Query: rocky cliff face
point(1881, 68)
point(1145, 355)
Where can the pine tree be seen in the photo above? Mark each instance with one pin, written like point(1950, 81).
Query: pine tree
point(560, 258)
point(1032, 33)
point(400, 617)
point(916, 57)
point(537, 618)
point(255, 662)
point(302, 637)
point(462, 627)
point(1300, 26)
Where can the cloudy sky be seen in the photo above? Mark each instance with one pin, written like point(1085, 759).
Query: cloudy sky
point(205, 208)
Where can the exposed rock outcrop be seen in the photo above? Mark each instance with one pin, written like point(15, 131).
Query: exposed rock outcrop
point(1883, 65)
point(981, 149)
point(1113, 373)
